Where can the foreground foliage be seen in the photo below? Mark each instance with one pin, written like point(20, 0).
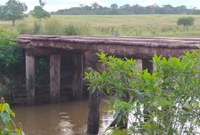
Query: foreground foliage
point(164, 102)
point(8, 126)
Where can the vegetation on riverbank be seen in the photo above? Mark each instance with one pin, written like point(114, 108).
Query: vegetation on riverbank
point(164, 102)
point(11, 63)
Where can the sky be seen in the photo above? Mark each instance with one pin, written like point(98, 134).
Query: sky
point(54, 5)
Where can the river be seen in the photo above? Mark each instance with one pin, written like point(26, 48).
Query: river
point(68, 118)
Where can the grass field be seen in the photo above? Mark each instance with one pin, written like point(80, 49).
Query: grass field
point(109, 25)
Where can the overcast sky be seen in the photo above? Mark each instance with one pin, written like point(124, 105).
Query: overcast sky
point(53, 5)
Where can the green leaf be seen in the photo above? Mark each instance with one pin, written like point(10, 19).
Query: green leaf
point(5, 131)
point(164, 102)
point(5, 118)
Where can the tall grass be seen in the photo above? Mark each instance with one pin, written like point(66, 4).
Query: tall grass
point(126, 25)
point(52, 26)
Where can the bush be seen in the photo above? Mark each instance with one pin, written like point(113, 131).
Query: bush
point(24, 28)
point(185, 21)
point(70, 30)
point(11, 64)
point(164, 102)
point(10, 55)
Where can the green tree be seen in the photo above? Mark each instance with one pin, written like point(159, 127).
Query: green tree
point(39, 13)
point(95, 5)
point(13, 10)
point(114, 6)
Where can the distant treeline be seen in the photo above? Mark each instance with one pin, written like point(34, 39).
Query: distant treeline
point(114, 9)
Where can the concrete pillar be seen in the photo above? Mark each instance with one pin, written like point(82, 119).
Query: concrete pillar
point(55, 62)
point(147, 64)
point(77, 84)
point(30, 79)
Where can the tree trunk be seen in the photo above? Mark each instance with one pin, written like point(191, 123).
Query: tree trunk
point(13, 22)
point(93, 116)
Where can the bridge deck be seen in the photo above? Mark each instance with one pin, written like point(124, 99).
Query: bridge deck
point(136, 47)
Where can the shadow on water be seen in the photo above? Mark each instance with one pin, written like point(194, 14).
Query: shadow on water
point(68, 118)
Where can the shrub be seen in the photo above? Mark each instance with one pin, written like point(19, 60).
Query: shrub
point(164, 102)
point(24, 28)
point(10, 55)
point(185, 21)
point(11, 64)
point(70, 29)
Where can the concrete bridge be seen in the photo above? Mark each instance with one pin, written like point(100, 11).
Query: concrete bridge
point(81, 48)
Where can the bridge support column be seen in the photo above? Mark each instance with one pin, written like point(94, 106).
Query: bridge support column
point(77, 84)
point(55, 62)
point(30, 79)
point(147, 64)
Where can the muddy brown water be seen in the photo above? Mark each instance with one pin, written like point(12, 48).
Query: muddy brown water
point(68, 118)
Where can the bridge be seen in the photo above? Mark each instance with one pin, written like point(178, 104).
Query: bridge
point(81, 50)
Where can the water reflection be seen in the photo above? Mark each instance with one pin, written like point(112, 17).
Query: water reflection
point(59, 119)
